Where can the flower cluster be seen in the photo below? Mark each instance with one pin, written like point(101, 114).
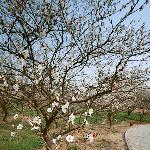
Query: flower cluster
point(69, 138)
point(90, 112)
point(54, 104)
point(71, 118)
point(56, 140)
point(90, 137)
point(20, 127)
point(35, 123)
point(65, 107)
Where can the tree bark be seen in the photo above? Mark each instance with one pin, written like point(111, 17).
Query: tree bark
point(5, 113)
point(110, 119)
point(47, 140)
point(130, 111)
point(142, 115)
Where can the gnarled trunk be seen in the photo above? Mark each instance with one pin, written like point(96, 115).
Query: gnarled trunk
point(46, 139)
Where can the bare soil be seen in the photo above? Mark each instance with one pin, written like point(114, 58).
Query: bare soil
point(105, 138)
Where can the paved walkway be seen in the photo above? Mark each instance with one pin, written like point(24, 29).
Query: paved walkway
point(138, 137)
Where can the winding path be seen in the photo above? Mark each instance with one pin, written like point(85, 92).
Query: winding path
point(138, 137)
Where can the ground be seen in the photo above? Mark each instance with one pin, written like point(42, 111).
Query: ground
point(105, 138)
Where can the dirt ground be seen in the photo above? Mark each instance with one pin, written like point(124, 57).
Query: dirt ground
point(105, 138)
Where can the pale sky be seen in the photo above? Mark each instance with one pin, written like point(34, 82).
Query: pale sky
point(145, 16)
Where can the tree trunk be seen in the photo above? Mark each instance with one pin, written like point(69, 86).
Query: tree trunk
point(110, 119)
point(47, 140)
point(142, 115)
point(130, 111)
point(5, 113)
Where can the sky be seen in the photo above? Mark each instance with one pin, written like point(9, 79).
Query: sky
point(145, 16)
point(139, 16)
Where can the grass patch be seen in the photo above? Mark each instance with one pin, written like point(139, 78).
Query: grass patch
point(117, 118)
point(123, 116)
point(24, 139)
point(93, 119)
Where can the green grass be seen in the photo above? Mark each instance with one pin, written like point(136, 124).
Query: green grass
point(123, 116)
point(117, 118)
point(24, 139)
point(93, 119)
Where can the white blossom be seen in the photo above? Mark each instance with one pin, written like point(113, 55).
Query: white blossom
point(37, 120)
point(65, 107)
point(71, 118)
point(55, 104)
point(36, 81)
point(35, 128)
point(73, 99)
point(54, 141)
point(16, 116)
point(90, 137)
point(19, 127)
point(16, 87)
point(5, 83)
point(58, 147)
point(86, 113)
point(58, 137)
point(69, 138)
point(30, 122)
point(13, 134)
point(91, 111)
point(49, 109)
point(51, 90)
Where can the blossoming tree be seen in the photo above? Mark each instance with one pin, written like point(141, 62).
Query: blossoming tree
point(60, 52)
